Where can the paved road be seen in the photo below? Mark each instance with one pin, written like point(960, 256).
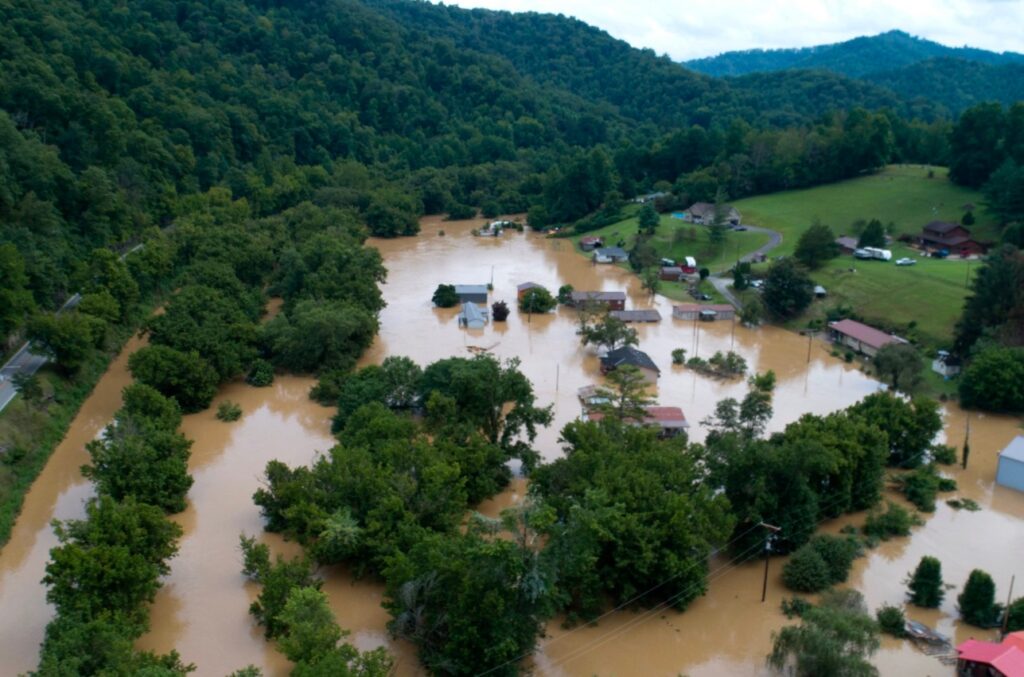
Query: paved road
point(723, 284)
point(25, 362)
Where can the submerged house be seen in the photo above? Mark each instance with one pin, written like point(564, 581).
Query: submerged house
point(706, 312)
point(612, 300)
point(649, 315)
point(471, 317)
point(861, 337)
point(946, 365)
point(525, 287)
point(1010, 471)
point(670, 421)
point(471, 293)
point(628, 355)
point(610, 255)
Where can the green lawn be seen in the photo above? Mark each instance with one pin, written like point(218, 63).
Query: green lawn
point(672, 246)
point(930, 293)
point(901, 194)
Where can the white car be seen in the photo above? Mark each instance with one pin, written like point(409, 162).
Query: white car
point(905, 262)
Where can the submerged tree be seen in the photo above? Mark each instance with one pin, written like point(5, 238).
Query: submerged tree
point(925, 585)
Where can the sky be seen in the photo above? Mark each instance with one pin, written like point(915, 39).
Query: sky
point(688, 30)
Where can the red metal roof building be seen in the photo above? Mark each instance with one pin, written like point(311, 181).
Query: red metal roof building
point(671, 420)
point(861, 337)
point(988, 659)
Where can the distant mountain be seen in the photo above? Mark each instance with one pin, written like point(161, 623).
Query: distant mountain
point(953, 78)
point(855, 58)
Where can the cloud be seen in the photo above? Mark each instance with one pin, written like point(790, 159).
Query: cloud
point(687, 30)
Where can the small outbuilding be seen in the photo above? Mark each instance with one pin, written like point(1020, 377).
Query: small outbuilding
point(671, 273)
point(846, 244)
point(471, 317)
point(819, 291)
point(1010, 472)
point(525, 287)
point(647, 315)
point(628, 355)
point(590, 243)
point(670, 421)
point(946, 365)
point(471, 293)
point(611, 255)
point(707, 312)
point(612, 300)
point(861, 337)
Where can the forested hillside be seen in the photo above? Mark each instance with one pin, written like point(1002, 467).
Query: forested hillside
point(856, 58)
point(914, 69)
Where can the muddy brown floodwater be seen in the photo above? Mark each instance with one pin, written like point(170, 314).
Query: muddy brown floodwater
point(202, 608)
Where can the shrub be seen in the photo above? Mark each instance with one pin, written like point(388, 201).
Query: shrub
point(994, 381)
point(679, 356)
point(445, 296)
point(806, 571)
point(895, 521)
point(537, 300)
point(261, 374)
point(229, 411)
point(947, 484)
point(891, 620)
point(977, 603)
point(795, 606)
point(920, 487)
point(944, 454)
point(838, 554)
point(565, 294)
point(499, 311)
point(925, 584)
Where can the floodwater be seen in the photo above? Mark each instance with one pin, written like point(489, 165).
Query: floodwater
point(202, 608)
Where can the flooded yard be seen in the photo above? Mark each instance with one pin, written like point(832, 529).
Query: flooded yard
point(202, 608)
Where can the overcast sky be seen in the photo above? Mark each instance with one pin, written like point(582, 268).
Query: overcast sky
point(687, 30)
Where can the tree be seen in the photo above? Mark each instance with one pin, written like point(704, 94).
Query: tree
point(977, 602)
point(651, 281)
point(648, 219)
point(277, 581)
point(718, 229)
point(752, 313)
point(925, 587)
point(627, 396)
point(787, 290)
point(910, 425)
point(610, 333)
point(112, 560)
point(16, 302)
point(975, 144)
point(445, 296)
point(499, 311)
point(994, 381)
point(68, 339)
point(891, 620)
point(806, 571)
point(320, 336)
point(186, 377)
point(565, 294)
point(873, 235)
point(537, 300)
point(816, 246)
point(395, 383)
point(470, 604)
point(900, 365)
point(836, 637)
point(997, 297)
point(1015, 612)
point(29, 387)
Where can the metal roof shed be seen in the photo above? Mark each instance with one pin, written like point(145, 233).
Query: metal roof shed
point(1010, 472)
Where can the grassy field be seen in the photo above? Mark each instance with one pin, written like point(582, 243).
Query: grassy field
point(672, 246)
point(901, 194)
point(929, 294)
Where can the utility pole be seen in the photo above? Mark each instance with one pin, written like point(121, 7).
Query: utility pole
point(732, 339)
point(810, 337)
point(967, 442)
point(1006, 615)
point(767, 548)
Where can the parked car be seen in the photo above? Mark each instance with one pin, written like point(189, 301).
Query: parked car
point(905, 261)
point(940, 254)
point(757, 284)
point(668, 262)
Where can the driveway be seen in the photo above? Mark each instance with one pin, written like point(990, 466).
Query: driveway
point(721, 281)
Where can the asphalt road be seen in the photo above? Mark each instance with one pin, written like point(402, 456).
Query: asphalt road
point(25, 362)
point(722, 283)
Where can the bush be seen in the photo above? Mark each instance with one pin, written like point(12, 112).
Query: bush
point(229, 411)
point(994, 381)
point(537, 300)
point(925, 584)
point(838, 554)
point(977, 603)
point(445, 296)
point(947, 484)
point(891, 620)
point(679, 356)
point(565, 294)
point(261, 374)
point(795, 606)
point(944, 454)
point(806, 571)
point(920, 487)
point(895, 521)
point(499, 311)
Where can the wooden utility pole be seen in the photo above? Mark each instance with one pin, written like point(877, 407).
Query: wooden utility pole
point(767, 548)
point(1006, 616)
point(810, 337)
point(967, 442)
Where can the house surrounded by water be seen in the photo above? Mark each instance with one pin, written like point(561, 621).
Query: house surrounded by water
point(471, 317)
point(628, 355)
point(471, 293)
point(861, 337)
point(1010, 471)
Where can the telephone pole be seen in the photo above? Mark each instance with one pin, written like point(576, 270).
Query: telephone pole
point(767, 548)
point(1006, 615)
